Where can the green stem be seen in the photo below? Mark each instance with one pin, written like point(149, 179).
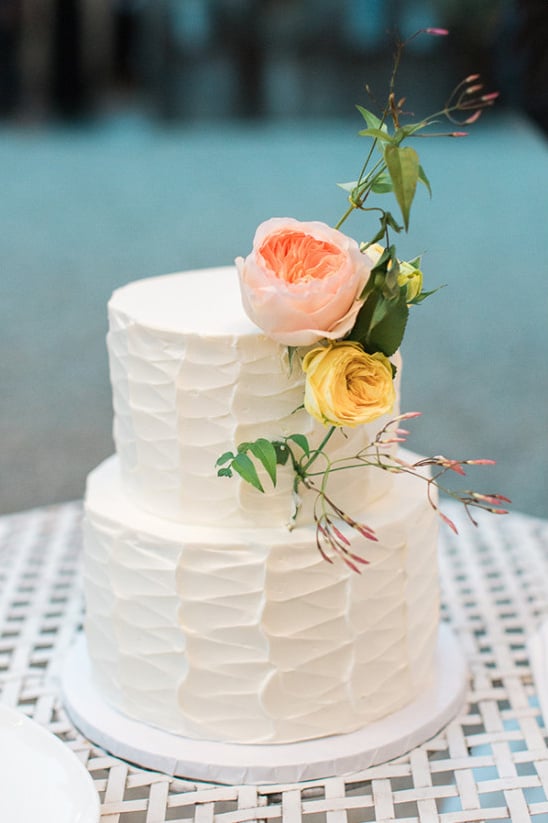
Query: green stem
point(361, 182)
point(345, 216)
point(368, 158)
point(372, 464)
point(318, 451)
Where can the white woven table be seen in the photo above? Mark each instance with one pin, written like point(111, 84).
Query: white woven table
point(490, 764)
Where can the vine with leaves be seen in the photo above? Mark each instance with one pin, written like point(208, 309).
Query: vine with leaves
point(392, 289)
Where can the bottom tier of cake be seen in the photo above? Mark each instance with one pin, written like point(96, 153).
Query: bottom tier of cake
point(248, 635)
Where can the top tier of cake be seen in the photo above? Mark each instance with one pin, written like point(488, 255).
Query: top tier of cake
point(192, 377)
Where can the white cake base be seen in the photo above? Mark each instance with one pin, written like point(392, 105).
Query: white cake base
point(236, 764)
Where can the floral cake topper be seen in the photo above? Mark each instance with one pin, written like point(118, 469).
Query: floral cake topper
point(342, 309)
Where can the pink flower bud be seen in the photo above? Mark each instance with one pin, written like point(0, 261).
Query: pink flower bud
point(448, 521)
point(501, 498)
point(472, 89)
point(436, 32)
point(366, 532)
point(473, 117)
point(486, 498)
point(340, 536)
point(408, 416)
point(455, 466)
point(487, 98)
point(458, 134)
point(471, 78)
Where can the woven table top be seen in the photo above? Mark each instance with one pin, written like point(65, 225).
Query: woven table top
point(489, 764)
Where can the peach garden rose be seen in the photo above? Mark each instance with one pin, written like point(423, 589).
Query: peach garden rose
point(345, 386)
point(302, 281)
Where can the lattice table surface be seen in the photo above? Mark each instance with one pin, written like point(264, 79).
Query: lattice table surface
point(489, 764)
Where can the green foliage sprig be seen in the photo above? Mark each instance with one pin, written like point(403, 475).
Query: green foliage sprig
point(328, 515)
point(391, 167)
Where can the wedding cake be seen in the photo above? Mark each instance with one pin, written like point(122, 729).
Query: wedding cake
point(207, 615)
point(260, 554)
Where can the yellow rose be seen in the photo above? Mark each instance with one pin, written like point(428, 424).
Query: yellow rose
point(411, 277)
point(345, 386)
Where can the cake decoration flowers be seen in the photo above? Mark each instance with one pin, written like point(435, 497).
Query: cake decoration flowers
point(346, 386)
point(306, 285)
point(302, 281)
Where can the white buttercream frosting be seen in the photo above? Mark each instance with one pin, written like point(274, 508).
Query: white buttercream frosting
point(192, 377)
point(206, 616)
point(246, 634)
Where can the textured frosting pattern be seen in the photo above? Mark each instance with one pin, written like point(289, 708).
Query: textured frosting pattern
point(184, 394)
point(246, 634)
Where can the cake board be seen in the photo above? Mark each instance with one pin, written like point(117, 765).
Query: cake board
point(237, 764)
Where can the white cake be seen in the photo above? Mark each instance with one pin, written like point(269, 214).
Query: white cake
point(206, 615)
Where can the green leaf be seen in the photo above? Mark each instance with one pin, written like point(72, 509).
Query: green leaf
point(385, 220)
point(360, 330)
point(424, 179)
point(403, 167)
point(247, 471)
point(423, 295)
point(226, 472)
point(410, 129)
point(349, 187)
point(382, 184)
point(371, 119)
point(302, 441)
point(385, 273)
point(388, 327)
point(377, 134)
point(381, 266)
point(291, 351)
point(391, 287)
point(364, 246)
point(224, 458)
point(381, 321)
point(389, 221)
point(265, 452)
point(282, 452)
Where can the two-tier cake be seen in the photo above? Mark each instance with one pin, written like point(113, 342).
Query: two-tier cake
point(207, 615)
point(260, 554)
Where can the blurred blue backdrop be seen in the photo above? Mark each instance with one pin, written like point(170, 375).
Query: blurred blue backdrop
point(145, 137)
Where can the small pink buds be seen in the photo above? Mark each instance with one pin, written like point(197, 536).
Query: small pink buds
point(366, 532)
point(490, 502)
point(466, 97)
point(458, 134)
point(407, 416)
point(454, 466)
point(493, 499)
point(435, 32)
point(473, 117)
point(448, 522)
point(340, 536)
